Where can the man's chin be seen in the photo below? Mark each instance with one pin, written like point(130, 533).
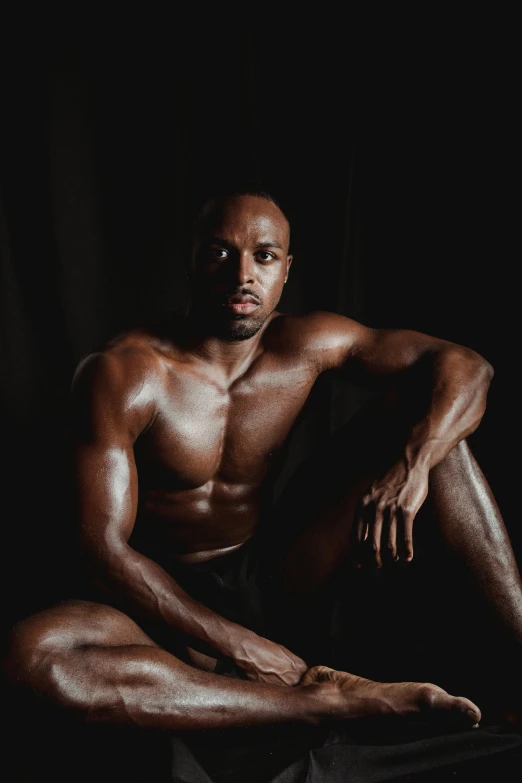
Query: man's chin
point(241, 328)
point(228, 326)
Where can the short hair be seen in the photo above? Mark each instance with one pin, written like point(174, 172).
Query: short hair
point(251, 187)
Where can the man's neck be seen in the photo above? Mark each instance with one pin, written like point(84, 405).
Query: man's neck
point(233, 357)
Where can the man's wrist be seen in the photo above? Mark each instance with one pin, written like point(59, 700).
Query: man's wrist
point(236, 643)
point(421, 453)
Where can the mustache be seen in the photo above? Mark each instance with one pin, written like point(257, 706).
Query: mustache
point(242, 291)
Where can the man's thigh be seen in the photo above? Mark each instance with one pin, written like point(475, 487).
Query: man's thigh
point(313, 523)
point(45, 741)
point(402, 621)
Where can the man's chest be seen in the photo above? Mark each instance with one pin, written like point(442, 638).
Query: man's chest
point(203, 432)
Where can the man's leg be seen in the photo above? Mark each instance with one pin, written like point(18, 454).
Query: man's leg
point(95, 663)
point(471, 526)
point(459, 534)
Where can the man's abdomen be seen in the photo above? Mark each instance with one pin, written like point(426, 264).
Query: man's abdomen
point(197, 524)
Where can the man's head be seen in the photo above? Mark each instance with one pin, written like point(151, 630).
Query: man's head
point(239, 263)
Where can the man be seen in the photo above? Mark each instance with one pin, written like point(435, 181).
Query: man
point(178, 432)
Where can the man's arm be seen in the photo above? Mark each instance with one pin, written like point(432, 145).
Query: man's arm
point(443, 388)
point(112, 404)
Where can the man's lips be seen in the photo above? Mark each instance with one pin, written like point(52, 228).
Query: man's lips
point(243, 303)
point(238, 307)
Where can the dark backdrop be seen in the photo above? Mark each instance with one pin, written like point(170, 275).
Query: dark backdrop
point(393, 146)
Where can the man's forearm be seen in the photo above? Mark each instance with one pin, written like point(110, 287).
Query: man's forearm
point(460, 381)
point(147, 587)
point(441, 405)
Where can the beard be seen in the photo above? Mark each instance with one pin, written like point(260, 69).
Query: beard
point(211, 318)
point(239, 327)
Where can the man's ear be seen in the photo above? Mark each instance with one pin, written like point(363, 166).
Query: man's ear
point(289, 260)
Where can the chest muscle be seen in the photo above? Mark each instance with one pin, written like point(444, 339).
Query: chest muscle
point(202, 433)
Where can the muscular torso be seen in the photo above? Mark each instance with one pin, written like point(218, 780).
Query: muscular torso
point(207, 462)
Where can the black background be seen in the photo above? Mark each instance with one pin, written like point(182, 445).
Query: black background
point(391, 141)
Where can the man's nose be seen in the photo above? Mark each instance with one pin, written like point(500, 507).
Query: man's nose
point(246, 269)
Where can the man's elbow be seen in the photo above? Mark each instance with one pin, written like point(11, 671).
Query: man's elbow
point(484, 369)
point(103, 564)
point(480, 374)
point(489, 370)
point(477, 367)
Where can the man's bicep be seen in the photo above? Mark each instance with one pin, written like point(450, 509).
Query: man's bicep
point(106, 492)
point(378, 357)
point(110, 407)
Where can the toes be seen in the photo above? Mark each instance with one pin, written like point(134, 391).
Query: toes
point(316, 674)
point(455, 708)
point(471, 710)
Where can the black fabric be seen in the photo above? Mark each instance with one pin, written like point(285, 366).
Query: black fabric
point(229, 585)
point(339, 757)
point(57, 749)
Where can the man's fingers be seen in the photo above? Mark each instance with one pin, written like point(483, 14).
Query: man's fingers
point(376, 536)
point(362, 529)
point(392, 535)
point(408, 518)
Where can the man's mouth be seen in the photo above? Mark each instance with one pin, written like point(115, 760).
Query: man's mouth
point(242, 303)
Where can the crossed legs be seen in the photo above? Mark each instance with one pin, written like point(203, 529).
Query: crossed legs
point(95, 662)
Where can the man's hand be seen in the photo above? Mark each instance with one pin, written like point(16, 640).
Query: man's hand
point(264, 661)
point(387, 510)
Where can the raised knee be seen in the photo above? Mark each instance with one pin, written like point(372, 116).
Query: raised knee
point(46, 651)
point(30, 646)
point(37, 642)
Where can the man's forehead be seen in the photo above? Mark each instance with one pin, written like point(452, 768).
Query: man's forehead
point(254, 217)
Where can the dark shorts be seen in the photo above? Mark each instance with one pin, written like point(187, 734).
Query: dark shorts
point(239, 586)
point(246, 587)
point(230, 585)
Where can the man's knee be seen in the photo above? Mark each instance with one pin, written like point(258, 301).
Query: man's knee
point(45, 644)
point(29, 644)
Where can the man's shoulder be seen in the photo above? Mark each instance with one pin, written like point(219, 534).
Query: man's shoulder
point(118, 385)
point(316, 330)
point(128, 359)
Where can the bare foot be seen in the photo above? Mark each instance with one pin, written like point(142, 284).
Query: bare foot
point(361, 698)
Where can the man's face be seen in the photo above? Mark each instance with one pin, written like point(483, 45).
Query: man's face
point(240, 264)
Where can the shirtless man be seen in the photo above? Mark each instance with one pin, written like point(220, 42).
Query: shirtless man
point(196, 411)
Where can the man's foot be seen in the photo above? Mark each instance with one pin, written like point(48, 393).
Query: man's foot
point(413, 701)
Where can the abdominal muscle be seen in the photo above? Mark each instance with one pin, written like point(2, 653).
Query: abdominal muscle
point(192, 526)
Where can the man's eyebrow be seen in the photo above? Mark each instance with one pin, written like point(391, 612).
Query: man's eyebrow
point(269, 244)
point(225, 243)
point(211, 240)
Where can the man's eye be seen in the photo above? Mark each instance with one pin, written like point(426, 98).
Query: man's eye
point(217, 253)
point(264, 255)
